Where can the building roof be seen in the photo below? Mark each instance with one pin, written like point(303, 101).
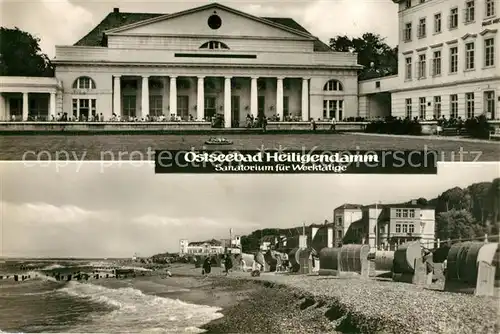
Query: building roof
point(349, 206)
point(399, 205)
point(212, 242)
point(117, 19)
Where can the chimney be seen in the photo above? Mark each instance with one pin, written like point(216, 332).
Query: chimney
point(330, 237)
point(116, 10)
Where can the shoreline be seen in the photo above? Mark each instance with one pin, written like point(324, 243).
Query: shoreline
point(287, 303)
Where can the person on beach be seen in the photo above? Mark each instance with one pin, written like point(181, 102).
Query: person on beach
point(333, 124)
point(207, 267)
point(228, 264)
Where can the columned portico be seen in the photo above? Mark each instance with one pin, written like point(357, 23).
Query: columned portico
point(173, 96)
point(279, 97)
point(145, 97)
point(227, 102)
point(117, 95)
point(305, 99)
point(254, 97)
point(200, 99)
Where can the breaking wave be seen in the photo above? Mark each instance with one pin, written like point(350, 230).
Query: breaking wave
point(135, 311)
point(53, 266)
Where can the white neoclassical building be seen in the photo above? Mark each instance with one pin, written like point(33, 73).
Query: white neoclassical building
point(192, 65)
point(448, 62)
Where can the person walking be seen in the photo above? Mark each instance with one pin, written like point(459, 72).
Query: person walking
point(333, 125)
point(207, 267)
point(228, 264)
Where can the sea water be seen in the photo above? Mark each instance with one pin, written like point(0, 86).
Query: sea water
point(46, 305)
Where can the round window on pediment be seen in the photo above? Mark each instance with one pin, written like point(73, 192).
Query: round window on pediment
point(214, 21)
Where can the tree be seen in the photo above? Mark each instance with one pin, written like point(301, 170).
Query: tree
point(457, 224)
point(20, 55)
point(372, 50)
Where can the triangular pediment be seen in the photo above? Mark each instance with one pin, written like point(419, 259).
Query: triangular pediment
point(467, 35)
point(211, 20)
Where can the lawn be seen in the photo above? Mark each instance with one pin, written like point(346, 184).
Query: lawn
point(134, 147)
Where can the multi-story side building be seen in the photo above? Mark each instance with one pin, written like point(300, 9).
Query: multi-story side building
point(397, 223)
point(448, 62)
point(344, 216)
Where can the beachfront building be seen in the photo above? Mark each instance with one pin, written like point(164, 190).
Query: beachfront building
point(183, 246)
point(448, 63)
point(190, 66)
point(397, 224)
point(205, 247)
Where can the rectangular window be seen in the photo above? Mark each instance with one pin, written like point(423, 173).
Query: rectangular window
point(183, 107)
point(408, 108)
point(489, 52)
point(339, 234)
point(407, 32)
point(490, 8)
point(398, 213)
point(405, 211)
point(422, 114)
point(411, 228)
point(489, 101)
point(408, 68)
point(398, 228)
point(412, 213)
point(436, 63)
point(75, 108)
point(155, 105)
point(454, 59)
point(405, 228)
point(453, 18)
point(437, 106)
point(469, 56)
point(469, 104)
point(437, 23)
point(129, 106)
point(469, 11)
point(286, 106)
point(421, 66)
point(93, 107)
point(421, 28)
point(325, 109)
point(408, 4)
point(454, 106)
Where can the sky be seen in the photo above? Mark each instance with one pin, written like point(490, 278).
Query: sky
point(91, 211)
point(64, 22)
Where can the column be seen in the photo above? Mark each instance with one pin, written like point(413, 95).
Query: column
point(117, 95)
point(3, 109)
point(25, 106)
point(279, 97)
point(305, 99)
point(200, 103)
point(173, 96)
point(227, 102)
point(253, 97)
point(52, 106)
point(144, 97)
